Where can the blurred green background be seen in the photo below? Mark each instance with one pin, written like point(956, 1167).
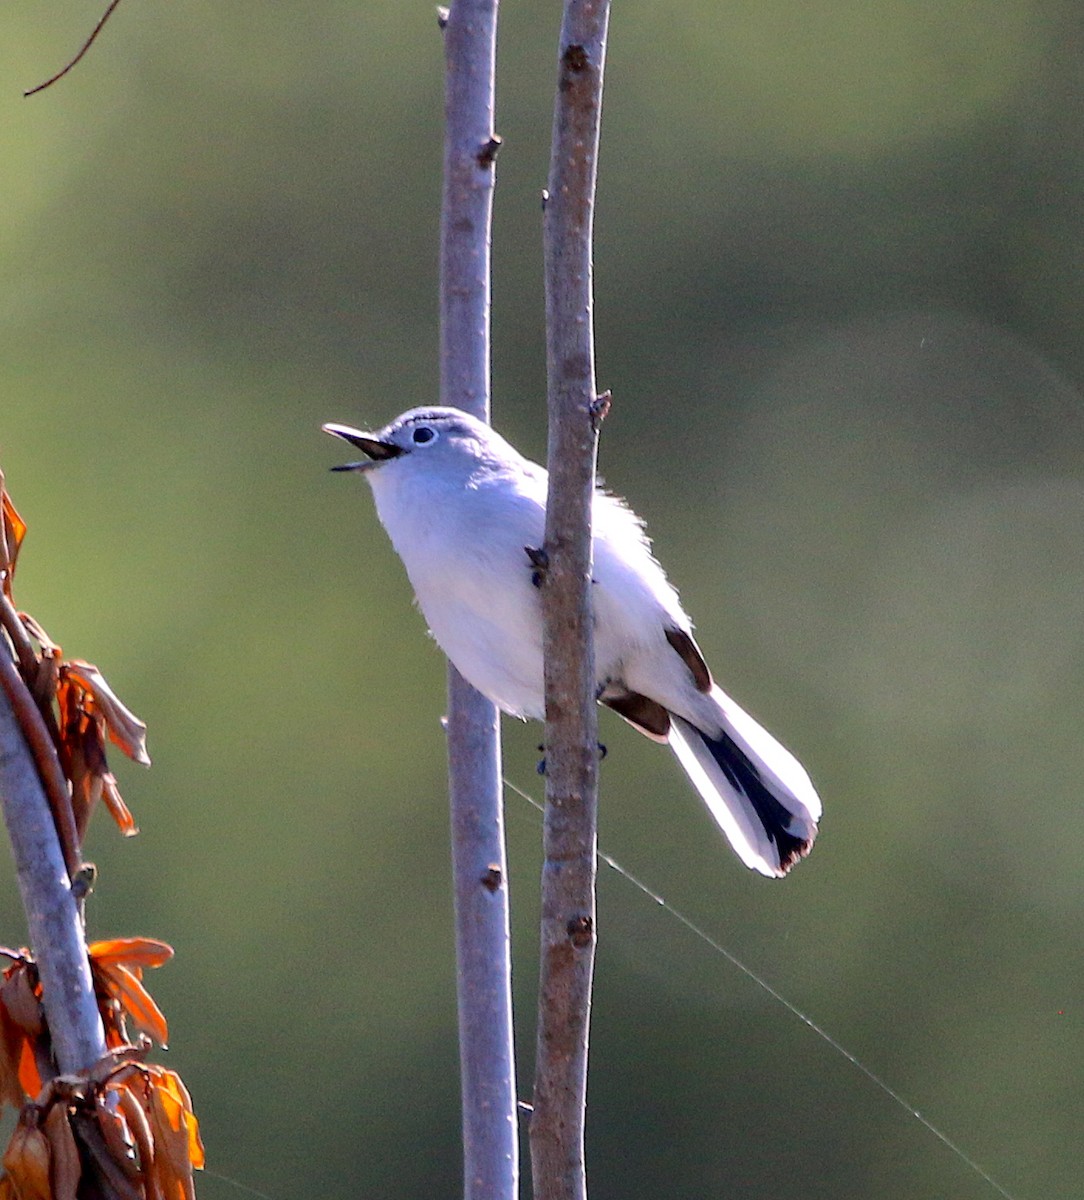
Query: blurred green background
point(840, 250)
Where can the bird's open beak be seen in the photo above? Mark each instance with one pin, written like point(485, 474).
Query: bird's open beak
point(374, 449)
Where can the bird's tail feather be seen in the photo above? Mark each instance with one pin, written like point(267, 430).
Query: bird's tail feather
point(756, 790)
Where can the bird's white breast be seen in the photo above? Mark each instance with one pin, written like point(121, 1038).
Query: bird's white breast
point(463, 546)
point(464, 551)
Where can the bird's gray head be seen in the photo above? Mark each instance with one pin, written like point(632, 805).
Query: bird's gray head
point(424, 434)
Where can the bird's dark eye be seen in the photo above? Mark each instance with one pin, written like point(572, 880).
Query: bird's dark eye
point(423, 434)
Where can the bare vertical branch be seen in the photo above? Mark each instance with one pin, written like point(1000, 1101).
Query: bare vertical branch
point(568, 876)
point(483, 946)
point(56, 933)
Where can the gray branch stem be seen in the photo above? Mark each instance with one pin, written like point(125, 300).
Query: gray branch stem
point(479, 866)
point(570, 827)
point(56, 932)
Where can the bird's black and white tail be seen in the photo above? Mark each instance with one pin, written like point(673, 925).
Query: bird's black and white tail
point(756, 790)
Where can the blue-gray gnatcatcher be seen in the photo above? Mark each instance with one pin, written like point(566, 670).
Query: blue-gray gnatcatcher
point(466, 513)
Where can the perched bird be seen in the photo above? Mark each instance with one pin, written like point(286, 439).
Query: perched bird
point(466, 513)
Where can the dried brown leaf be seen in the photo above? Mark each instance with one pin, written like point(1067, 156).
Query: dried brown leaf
point(116, 1036)
point(21, 1027)
point(121, 985)
point(125, 729)
point(11, 1049)
point(26, 1159)
point(86, 785)
point(133, 1107)
point(19, 997)
point(49, 648)
point(116, 1134)
point(89, 712)
point(43, 683)
point(118, 810)
point(65, 1168)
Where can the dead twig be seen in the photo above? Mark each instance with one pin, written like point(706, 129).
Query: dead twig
point(82, 51)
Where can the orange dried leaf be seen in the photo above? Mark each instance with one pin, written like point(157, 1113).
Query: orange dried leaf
point(29, 1073)
point(12, 532)
point(125, 729)
point(174, 1085)
point(133, 953)
point(170, 1186)
point(121, 985)
point(26, 1159)
point(118, 810)
point(65, 1169)
point(172, 1161)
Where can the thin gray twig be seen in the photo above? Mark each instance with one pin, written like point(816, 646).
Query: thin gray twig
point(568, 874)
point(479, 867)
